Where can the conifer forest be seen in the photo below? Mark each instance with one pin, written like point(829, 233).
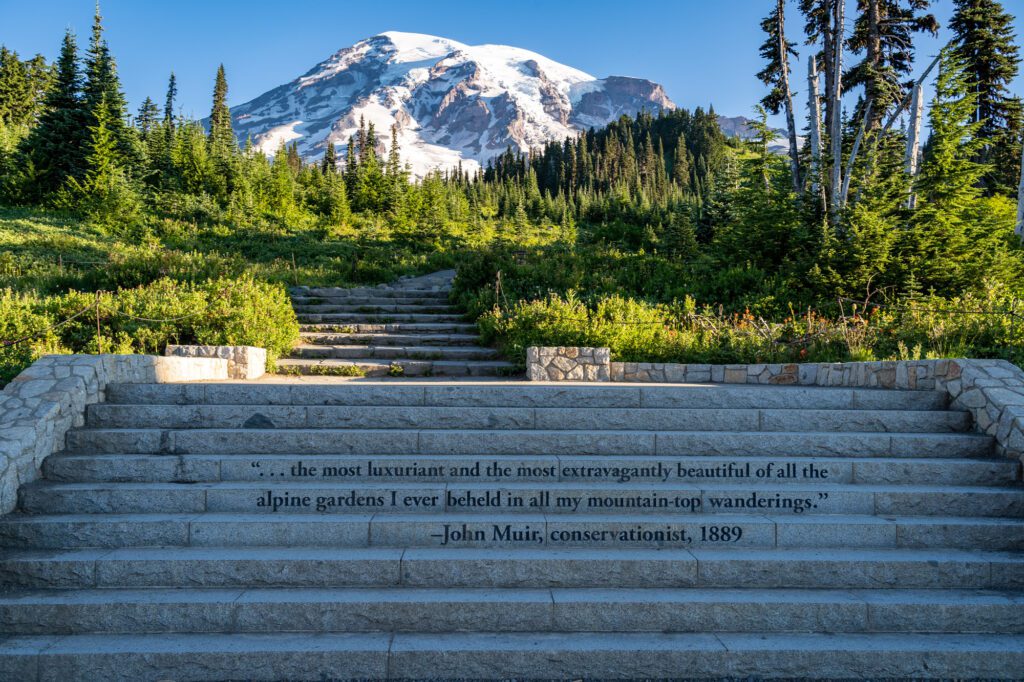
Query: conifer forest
point(881, 222)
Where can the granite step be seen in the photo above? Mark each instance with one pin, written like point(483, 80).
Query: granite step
point(378, 309)
point(209, 656)
point(400, 366)
point(368, 300)
point(448, 610)
point(378, 318)
point(609, 567)
point(526, 394)
point(324, 441)
point(492, 529)
point(391, 327)
point(367, 292)
point(384, 339)
point(469, 468)
point(106, 415)
point(391, 351)
point(567, 499)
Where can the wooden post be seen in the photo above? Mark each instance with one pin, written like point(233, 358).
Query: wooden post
point(99, 338)
point(914, 140)
point(1019, 229)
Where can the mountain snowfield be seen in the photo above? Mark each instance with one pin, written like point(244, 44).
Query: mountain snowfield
point(452, 103)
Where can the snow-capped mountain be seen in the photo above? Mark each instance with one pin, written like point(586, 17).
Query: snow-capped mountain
point(451, 102)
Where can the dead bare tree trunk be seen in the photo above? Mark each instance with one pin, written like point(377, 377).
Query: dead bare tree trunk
point(853, 154)
point(914, 140)
point(814, 107)
point(794, 153)
point(835, 128)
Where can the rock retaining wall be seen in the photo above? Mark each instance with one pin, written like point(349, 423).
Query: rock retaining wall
point(39, 405)
point(991, 390)
point(244, 362)
point(567, 363)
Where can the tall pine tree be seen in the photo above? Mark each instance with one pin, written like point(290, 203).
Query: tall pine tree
point(102, 95)
point(55, 148)
point(984, 40)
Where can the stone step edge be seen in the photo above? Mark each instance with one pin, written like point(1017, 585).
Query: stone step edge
point(547, 655)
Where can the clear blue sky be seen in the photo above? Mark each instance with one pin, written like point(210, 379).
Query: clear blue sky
point(701, 50)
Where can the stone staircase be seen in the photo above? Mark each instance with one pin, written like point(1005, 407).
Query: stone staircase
point(499, 530)
point(403, 329)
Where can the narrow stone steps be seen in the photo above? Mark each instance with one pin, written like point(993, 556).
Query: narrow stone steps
point(400, 366)
point(367, 292)
point(380, 318)
point(637, 530)
point(387, 328)
point(469, 468)
point(208, 656)
point(390, 339)
point(526, 442)
point(332, 308)
point(517, 498)
point(448, 610)
point(107, 415)
point(391, 352)
point(368, 300)
point(525, 394)
point(452, 567)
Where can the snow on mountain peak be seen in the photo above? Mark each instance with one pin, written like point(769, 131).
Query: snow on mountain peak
point(451, 103)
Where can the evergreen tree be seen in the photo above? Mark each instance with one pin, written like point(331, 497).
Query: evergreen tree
point(883, 33)
point(984, 39)
point(15, 89)
point(222, 136)
point(148, 118)
point(172, 94)
point(104, 193)
point(941, 254)
point(330, 160)
point(55, 148)
point(102, 90)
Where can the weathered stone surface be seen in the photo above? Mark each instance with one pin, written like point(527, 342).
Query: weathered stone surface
point(41, 404)
point(244, 362)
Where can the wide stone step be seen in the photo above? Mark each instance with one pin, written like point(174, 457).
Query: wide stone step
point(418, 308)
point(105, 415)
point(324, 441)
point(526, 394)
point(692, 531)
point(388, 328)
point(379, 318)
point(426, 610)
point(245, 567)
point(399, 366)
point(512, 498)
point(567, 469)
point(325, 655)
point(392, 352)
point(390, 339)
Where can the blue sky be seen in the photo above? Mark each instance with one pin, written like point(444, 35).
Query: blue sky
point(702, 51)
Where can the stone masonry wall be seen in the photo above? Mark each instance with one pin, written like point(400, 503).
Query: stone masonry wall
point(567, 363)
point(244, 362)
point(991, 390)
point(42, 403)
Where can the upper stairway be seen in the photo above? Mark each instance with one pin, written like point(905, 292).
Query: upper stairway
point(407, 328)
point(500, 529)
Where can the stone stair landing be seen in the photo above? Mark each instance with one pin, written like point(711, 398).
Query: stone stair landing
point(407, 328)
